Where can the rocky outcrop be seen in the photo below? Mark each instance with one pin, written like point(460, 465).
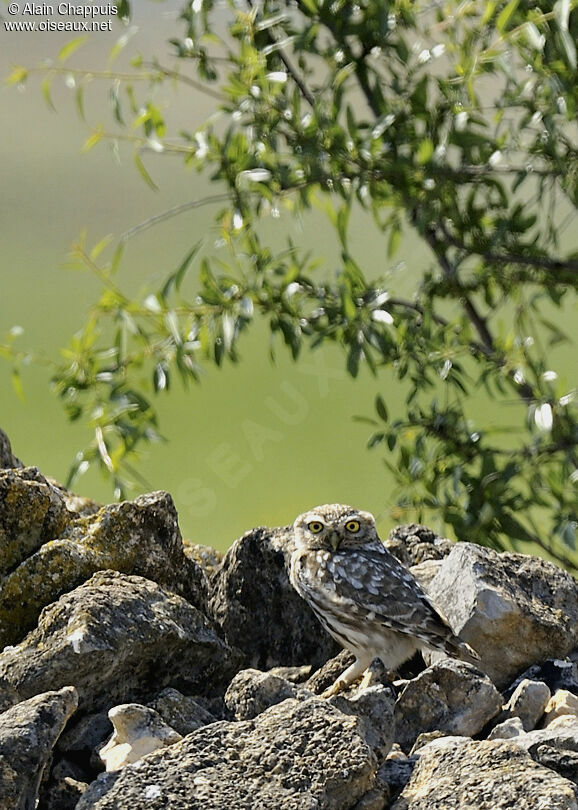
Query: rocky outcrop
point(298, 754)
point(47, 550)
point(28, 732)
point(108, 637)
point(210, 668)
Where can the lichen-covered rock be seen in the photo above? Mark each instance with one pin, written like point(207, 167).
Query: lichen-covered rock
point(118, 639)
point(252, 691)
point(486, 775)
point(185, 714)
point(258, 610)
point(7, 458)
point(562, 734)
point(373, 706)
point(207, 557)
point(507, 729)
point(32, 512)
point(28, 732)
point(296, 755)
point(513, 609)
point(414, 544)
point(450, 696)
point(135, 537)
point(528, 702)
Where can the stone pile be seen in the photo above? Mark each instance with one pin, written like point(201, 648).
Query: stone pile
point(140, 672)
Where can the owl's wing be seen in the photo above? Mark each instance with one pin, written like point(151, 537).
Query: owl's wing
point(379, 584)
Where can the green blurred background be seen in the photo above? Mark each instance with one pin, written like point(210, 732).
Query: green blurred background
point(253, 444)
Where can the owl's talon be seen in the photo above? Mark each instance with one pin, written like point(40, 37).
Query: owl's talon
point(339, 686)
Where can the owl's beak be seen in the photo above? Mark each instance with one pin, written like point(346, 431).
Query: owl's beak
point(334, 540)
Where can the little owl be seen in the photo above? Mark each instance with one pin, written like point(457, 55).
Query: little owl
point(362, 595)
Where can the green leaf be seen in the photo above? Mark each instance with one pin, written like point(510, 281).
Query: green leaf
point(91, 141)
point(506, 15)
point(381, 408)
point(425, 151)
point(70, 47)
point(46, 87)
point(143, 172)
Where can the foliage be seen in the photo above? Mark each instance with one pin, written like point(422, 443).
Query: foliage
point(453, 121)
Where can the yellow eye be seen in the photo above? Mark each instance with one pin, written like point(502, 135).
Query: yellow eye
point(352, 526)
point(315, 526)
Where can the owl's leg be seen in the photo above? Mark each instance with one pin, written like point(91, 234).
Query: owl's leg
point(350, 675)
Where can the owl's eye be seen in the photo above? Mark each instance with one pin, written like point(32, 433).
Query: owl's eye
point(352, 526)
point(315, 526)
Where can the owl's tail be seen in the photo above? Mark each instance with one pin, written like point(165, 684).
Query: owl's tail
point(459, 649)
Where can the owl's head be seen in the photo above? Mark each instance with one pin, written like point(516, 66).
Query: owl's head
point(332, 526)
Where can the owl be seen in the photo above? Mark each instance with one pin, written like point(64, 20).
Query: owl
point(362, 595)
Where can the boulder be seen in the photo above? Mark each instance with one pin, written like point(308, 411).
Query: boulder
point(252, 691)
point(513, 609)
point(456, 774)
point(49, 551)
point(258, 610)
point(28, 732)
point(185, 714)
point(117, 639)
point(528, 702)
point(305, 755)
point(451, 696)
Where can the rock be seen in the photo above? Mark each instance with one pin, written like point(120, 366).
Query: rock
point(84, 735)
point(32, 512)
point(486, 774)
point(138, 730)
point(511, 608)
point(394, 774)
point(117, 638)
point(507, 730)
point(561, 703)
point(64, 788)
point(562, 734)
point(251, 692)
point(136, 537)
point(256, 607)
point(305, 755)
point(7, 459)
point(184, 714)
point(207, 557)
point(528, 702)
point(414, 544)
point(450, 696)
point(373, 706)
point(329, 672)
point(28, 732)
point(565, 763)
point(555, 673)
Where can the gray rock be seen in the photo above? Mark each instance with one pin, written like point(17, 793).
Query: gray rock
point(414, 544)
point(450, 696)
point(7, 458)
point(185, 714)
point(252, 691)
point(512, 609)
point(118, 639)
point(373, 706)
point(257, 609)
point(28, 732)
point(329, 672)
point(298, 755)
point(32, 512)
point(394, 774)
point(136, 537)
point(564, 763)
point(83, 735)
point(562, 734)
point(507, 729)
point(555, 673)
point(528, 702)
point(486, 775)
